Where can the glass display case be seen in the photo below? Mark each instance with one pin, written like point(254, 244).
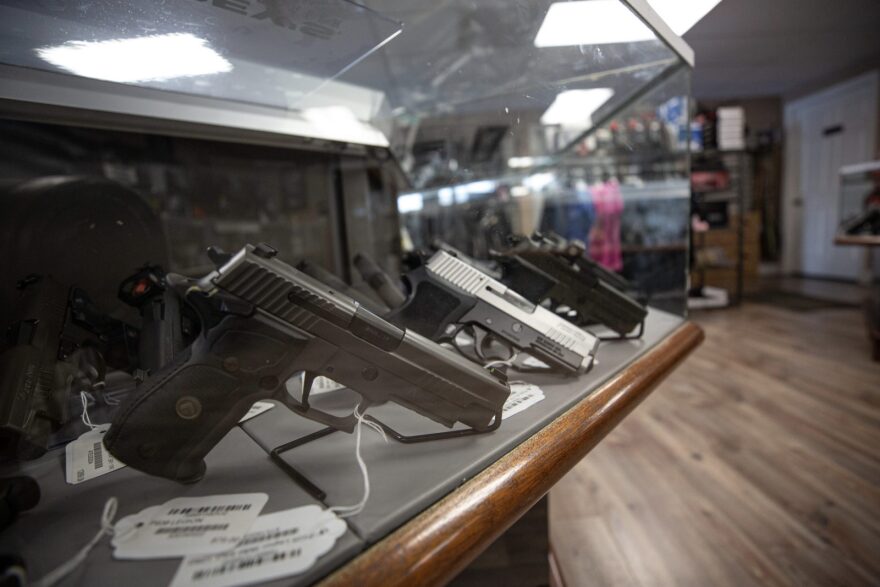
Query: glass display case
point(136, 136)
point(434, 96)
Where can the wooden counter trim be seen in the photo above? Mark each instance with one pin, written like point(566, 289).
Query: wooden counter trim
point(437, 544)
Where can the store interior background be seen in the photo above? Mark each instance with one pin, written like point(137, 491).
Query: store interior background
point(756, 462)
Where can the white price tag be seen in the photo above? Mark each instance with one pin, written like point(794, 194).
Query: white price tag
point(86, 457)
point(278, 545)
point(522, 396)
point(256, 409)
point(187, 526)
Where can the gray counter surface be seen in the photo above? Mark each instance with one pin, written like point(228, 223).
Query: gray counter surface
point(405, 478)
point(68, 516)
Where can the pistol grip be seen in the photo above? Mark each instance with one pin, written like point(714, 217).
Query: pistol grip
point(182, 412)
point(431, 305)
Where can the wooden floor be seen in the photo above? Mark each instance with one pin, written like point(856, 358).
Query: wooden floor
point(756, 463)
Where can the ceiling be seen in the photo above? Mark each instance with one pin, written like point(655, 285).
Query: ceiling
point(748, 48)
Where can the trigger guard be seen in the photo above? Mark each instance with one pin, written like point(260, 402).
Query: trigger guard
point(482, 339)
point(304, 409)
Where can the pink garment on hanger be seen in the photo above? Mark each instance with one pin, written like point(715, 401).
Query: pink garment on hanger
point(605, 235)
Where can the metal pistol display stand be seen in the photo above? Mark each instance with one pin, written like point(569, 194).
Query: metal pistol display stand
point(336, 423)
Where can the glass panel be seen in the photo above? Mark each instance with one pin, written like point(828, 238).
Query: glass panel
point(624, 190)
point(472, 87)
point(127, 199)
point(458, 92)
point(500, 118)
point(272, 52)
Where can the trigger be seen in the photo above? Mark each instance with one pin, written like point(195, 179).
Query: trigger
point(481, 337)
point(484, 340)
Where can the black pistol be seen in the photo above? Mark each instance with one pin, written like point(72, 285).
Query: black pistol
point(33, 384)
point(540, 273)
point(262, 323)
point(59, 345)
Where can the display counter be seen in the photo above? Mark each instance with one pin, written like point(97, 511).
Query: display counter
point(433, 506)
point(138, 136)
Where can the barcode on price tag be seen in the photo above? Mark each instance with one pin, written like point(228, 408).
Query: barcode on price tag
point(278, 545)
point(187, 526)
point(86, 458)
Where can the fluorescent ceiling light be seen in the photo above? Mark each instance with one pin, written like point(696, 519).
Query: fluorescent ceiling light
point(480, 187)
point(591, 22)
point(517, 162)
point(140, 59)
point(410, 203)
point(576, 107)
point(446, 196)
point(539, 181)
point(682, 15)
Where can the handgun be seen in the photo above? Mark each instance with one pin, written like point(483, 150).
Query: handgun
point(575, 252)
point(59, 344)
point(448, 295)
point(32, 402)
point(262, 323)
point(164, 324)
point(540, 274)
point(336, 284)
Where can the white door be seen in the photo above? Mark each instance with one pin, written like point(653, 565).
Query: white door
point(824, 132)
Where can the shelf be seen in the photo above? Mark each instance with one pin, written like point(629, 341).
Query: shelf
point(857, 240)
point(638, 249)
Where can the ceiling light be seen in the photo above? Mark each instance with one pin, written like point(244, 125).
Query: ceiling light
point(576, 107)
point(140, 59)
point(446, 196)
point(539, 181)
point(591, 22)
point(682, 15)
point(517, 162)
point(480, 187)
point(410, 203)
